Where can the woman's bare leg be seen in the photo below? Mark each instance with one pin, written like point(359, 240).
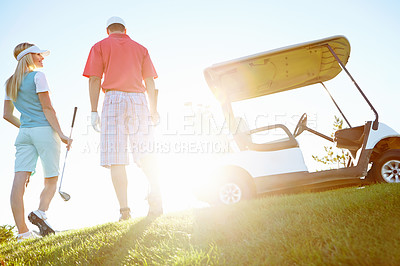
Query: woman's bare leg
point(50, 188)
point(17, 200)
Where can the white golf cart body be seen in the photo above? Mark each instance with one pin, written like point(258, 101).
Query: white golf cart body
point(279, 165)
point(274, 162)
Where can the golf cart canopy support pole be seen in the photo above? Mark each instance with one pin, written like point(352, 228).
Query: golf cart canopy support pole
point(228, 114)
point(375, 124)
point(337, 106)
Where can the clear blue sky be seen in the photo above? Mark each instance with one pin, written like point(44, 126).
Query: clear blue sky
point(183, 37)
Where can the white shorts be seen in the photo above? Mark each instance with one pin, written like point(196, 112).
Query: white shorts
point(125, 116)
point(35, 142)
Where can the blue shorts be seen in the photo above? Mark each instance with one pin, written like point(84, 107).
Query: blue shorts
point(35, 142)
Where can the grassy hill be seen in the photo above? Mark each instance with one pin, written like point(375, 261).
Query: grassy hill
point(349, 226)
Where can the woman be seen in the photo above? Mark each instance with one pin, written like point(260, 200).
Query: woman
point(39, 136)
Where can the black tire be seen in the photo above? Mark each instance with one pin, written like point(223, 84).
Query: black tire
point(234, 190)
point(386, 169)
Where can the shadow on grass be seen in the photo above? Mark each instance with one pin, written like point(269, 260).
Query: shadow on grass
point(119, 250)
point(93, 245)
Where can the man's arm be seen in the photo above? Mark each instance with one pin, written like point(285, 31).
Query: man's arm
point(152, 95)
point(94, 91)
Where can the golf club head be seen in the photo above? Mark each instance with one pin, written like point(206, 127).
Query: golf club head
point(65, 196)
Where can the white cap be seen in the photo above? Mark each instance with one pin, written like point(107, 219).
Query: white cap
point(114, 20)
point(32, 50)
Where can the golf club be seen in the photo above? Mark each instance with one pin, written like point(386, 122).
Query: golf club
point(65, 196)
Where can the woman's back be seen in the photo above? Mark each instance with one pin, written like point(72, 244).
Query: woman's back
point(27, 102)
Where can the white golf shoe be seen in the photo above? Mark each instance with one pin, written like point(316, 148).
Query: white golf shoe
point(39, 218)
point(26, 236)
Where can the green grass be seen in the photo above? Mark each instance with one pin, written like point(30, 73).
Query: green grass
point(348, 226)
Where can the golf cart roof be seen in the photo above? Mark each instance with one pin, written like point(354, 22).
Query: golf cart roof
point(278, 70)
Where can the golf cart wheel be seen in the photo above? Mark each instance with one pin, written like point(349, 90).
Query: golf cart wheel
point(387, 168)
point(234, 191)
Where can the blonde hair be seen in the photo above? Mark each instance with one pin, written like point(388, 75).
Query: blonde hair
point(25, 64)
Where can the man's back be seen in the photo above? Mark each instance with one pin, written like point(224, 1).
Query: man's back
point(124, 62)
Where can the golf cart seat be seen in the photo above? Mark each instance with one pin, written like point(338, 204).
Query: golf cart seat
point(244, 140)
point(350, 138)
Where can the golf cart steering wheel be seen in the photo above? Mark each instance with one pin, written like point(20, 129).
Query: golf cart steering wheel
point(301, 125)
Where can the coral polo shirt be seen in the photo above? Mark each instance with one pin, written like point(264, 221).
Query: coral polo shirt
point(124, 63)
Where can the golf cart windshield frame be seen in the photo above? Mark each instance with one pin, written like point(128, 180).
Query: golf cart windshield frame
point(376, 123)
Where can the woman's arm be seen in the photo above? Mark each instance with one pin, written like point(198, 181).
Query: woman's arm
point(8, 113)
point(50, 114)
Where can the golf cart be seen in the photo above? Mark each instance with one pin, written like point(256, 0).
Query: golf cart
point(277, 166)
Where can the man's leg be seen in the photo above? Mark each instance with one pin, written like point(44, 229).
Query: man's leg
point(149, 166)
point(120, 182)
point(50, 187)
point(114, 152)
point(17, 200)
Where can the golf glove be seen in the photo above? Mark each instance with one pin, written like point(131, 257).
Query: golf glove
point(96, 121)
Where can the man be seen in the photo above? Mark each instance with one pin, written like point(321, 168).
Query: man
point(125, 115)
